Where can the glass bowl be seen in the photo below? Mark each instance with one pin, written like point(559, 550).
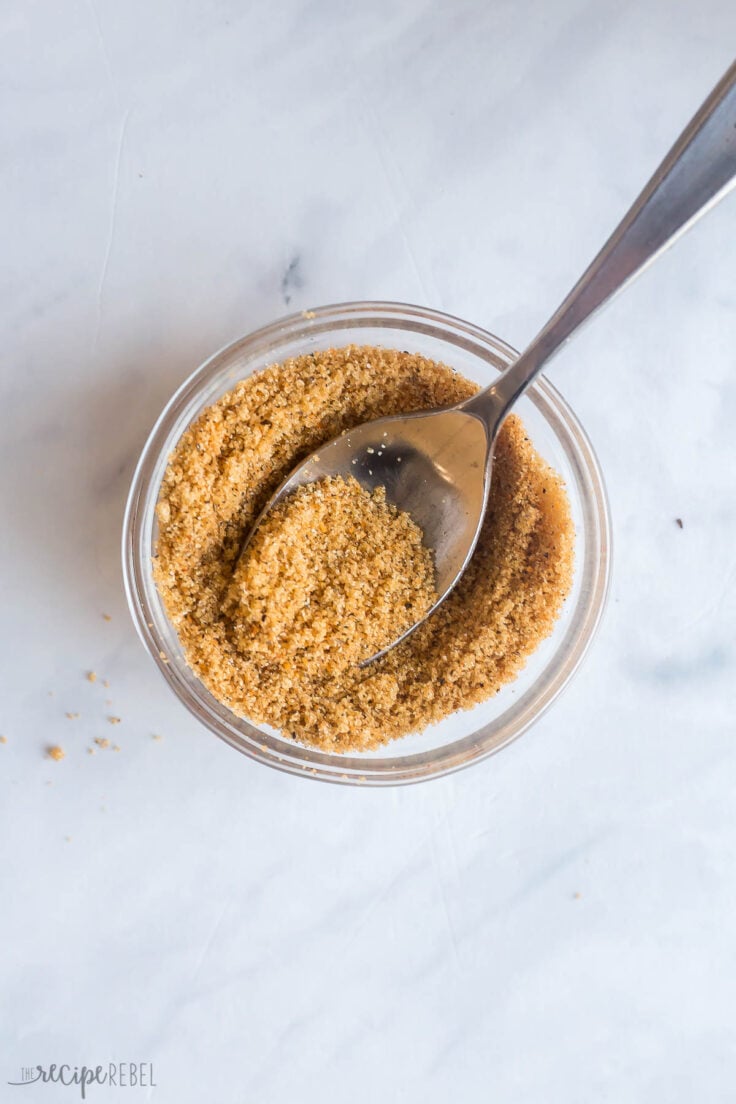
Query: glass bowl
point(465, 737)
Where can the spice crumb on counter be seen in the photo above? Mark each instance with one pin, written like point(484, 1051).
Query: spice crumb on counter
point(91, 676)
point(55, 752)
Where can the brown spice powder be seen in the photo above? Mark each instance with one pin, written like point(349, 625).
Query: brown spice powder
point(222, 472)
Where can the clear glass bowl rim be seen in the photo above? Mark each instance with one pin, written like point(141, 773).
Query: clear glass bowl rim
point(299, 759)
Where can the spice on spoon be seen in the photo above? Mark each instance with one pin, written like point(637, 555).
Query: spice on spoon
point(331, 574)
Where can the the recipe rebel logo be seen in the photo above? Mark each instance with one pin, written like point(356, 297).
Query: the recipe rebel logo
point(115, 1075)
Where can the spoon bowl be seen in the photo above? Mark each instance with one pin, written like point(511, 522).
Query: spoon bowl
point(435, 465)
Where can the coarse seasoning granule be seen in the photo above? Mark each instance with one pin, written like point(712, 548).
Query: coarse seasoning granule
point(277, 663)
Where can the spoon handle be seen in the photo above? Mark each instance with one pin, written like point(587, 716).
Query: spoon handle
point(698, 171)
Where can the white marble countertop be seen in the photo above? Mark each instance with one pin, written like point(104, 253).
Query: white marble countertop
point(555, 925)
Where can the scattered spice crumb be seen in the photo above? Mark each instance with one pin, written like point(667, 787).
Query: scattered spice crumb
point(91, 676)
point(3, 739)
point(679, 523)
point(106, 617)
point(163, 656)
point(577, 896)
point(106, 683)
point(55, 752)
point(308, 314)
point(114, 720)
point(108, 701)
point(90, 750)
point(157, 737)
point(225, 467)
point(71, 716)
point(102, 741)
point(115, 747)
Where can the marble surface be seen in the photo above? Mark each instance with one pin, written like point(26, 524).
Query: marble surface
point(556, 924)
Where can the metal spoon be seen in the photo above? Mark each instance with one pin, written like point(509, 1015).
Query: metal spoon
point(436, 464)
